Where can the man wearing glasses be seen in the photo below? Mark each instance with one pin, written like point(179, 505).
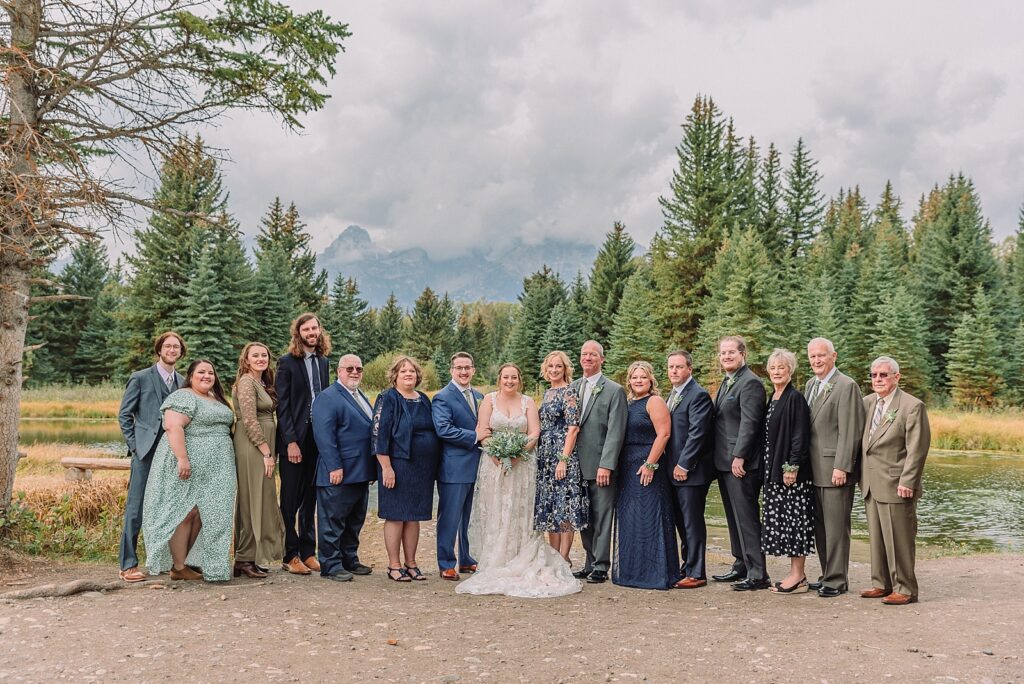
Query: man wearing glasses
point(342, 422)
point(895, 445)
point(454, 410)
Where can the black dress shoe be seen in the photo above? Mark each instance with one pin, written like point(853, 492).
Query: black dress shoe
point(830, 592)
point(731, 576)
point(815, 586)
point(360, 569)
point(581, 574)
point(752, 585)
point(597, 577)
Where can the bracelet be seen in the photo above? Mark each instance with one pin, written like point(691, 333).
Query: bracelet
point(651, 466)
point(564, 458)
point(790, 468)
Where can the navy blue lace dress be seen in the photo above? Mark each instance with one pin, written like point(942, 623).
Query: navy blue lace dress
point(561, 505)
point(646, 555)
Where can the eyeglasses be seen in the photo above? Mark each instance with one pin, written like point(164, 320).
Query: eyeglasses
point(879, 375)
point(171, 346)
point(352, 369)
point(462, 369)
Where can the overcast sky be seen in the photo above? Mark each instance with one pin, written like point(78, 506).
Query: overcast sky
point(469, 122)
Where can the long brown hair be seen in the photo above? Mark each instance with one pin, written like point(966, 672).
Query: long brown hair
point(218, 391)
point(266, 377)
point(295, 347)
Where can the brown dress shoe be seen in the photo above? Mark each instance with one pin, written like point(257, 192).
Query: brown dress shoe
point(296, 567)
point(875, 592)
point(468, 568)
point(132, 575)
point(450, 574)
point(898, 599)
point(311, 563)
point(186, 573)
point(689, 583)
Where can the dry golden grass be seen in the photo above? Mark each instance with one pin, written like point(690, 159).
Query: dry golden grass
point(41, 469)
point(62, 408)
point(87, 500)
point(1003, 431)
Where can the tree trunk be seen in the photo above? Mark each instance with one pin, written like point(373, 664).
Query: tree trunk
point(20, 190)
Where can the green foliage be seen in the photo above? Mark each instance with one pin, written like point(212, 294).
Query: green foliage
point(282, 236)
point(431, 327)
point(275, 305)
point(1014, 392)
point(63, 528)
point(542, 292)
point(612, 268)
point(803, 200)
point(901, 333)
point(634, 337)
point(390, 328)
point(346, 318)
point(769, 203)
point(975, 358)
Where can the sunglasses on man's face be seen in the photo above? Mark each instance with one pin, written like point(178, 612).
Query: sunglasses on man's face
point(352, 369)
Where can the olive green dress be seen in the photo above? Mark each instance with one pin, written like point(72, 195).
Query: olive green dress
point(210, 488)
point(259, 530)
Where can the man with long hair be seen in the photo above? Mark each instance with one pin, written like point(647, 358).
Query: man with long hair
point(302, 374)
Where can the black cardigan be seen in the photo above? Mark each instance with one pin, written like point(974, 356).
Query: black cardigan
point(789, 436)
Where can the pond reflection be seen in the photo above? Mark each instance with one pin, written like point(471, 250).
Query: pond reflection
point(972, 501)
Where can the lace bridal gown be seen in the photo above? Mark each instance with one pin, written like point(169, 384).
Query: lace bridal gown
point(513, 559)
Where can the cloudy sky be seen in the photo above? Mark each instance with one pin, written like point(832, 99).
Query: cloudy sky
point(467, 122)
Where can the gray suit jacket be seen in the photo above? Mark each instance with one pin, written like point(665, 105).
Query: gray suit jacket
point(837, 425)
point(602, 426)
point(895, 454)
point(139, 416)
point(739, 422)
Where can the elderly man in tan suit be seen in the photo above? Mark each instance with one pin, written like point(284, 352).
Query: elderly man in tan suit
point(837, 425)
point(895, 445)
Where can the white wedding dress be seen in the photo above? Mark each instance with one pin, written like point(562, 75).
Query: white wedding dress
point(512, 558)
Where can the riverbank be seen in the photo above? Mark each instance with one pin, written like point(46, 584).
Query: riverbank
point(967, 627)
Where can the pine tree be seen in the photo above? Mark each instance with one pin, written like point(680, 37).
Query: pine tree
point(100, 345)
point(432, 325)
point(975, 358)
point(803, 200)
point(633, 338)
point(344, 317)
point(235, 283)
point(542, 292)
point(612, 268)
point(745, 200)
point(284, 230)
point(769, 217)
point(1014, 388)
point(275, 305)
point(564, 331)
point(696, 221)
point(390, 326)
point(190, 183)
point(199, 318)
point(901, 333)
point(744, 289)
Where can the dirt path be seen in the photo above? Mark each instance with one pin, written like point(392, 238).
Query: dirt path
point(969, 627)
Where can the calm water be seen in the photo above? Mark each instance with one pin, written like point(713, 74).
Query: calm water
point(972, 501)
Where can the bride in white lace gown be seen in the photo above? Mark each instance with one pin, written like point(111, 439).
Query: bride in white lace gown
point(512, 558)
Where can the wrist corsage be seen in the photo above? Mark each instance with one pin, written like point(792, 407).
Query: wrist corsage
point(651, 466)
point(790, 468)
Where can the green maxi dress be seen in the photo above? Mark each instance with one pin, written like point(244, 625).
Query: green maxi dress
point(210, 488)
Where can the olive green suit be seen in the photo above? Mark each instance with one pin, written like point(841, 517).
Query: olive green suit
point(837, 426)
point(894, 455)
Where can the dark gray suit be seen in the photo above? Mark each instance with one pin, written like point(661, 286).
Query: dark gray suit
point(837, 424)
point(602, 430)
point(739, 433)
point(688, 448)
point(142, 425)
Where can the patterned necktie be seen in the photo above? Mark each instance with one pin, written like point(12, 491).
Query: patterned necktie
point(675, 399)
point(876, 420)
point(170, 382)
point(469, 400)
point(814, 392)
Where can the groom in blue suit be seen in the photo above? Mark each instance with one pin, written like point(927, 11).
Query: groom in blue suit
point(454, 410)
point(342, 423)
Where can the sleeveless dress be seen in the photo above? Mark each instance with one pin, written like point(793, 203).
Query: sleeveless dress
point(210, 488)
point(646, 555)
point(513, 559)
point(561, 505)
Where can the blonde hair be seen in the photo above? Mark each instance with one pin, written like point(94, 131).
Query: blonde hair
point(785, 356)
point(396, 366)
point(646, 368)
point(566, 364)
point(518, 372)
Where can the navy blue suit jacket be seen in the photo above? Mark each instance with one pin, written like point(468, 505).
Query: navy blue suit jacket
point(690, 441)
point(293, 398)
point(456, 426)
point(392, 434)
point(343, 434)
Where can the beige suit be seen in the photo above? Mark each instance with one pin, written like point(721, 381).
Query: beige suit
point(837, 426)
point(894, 455)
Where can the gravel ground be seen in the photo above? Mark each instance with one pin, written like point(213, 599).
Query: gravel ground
point(968, 627)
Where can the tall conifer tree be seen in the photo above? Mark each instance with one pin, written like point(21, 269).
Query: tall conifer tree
point(612, 268)
point(975, 358)
point(803, 200)
point(633, 338)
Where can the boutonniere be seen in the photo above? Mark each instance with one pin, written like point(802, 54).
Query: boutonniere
point(890, 416)
point(828, 388)
point(729, 382)
point(597, 390)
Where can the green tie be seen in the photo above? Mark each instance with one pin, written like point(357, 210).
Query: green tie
point(814, 392)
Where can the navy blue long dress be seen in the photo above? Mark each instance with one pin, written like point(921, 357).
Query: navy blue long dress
point(404, 430)
point(646, 555)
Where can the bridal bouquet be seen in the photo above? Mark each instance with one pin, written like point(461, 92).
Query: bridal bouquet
point(507, 446)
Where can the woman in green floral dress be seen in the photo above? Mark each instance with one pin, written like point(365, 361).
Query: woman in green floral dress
point(190, 495)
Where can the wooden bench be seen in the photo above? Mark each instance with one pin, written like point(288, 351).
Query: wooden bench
point(80, 468)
